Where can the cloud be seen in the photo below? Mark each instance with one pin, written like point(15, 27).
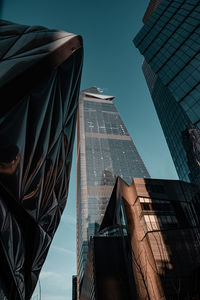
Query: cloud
point(58, 281)
point(48, 274)
point(63, 250)
point(50, 297)
point(59, 284)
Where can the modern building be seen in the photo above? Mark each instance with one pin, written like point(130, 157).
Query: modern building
point(104, 150)
point(163, 222)
point(40, 71)
point(148, 244)
point(170, 44)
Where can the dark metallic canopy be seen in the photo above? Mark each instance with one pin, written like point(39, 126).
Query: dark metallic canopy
point(40, 73)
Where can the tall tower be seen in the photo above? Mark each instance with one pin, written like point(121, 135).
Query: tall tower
point(170, 44)
point(104, 150)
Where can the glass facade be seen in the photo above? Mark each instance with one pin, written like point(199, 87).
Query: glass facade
point(105, 150)
point(170, 44)
point(173, 120)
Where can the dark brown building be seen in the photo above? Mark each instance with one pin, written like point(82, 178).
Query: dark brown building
point(164, 230)
point(148, 246)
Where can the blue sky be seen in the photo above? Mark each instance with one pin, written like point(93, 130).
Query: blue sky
point(112, 63)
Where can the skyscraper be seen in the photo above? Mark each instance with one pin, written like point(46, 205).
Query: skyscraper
point(170, 44)
point(104, 150)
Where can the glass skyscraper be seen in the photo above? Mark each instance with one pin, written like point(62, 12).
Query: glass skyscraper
point(104, 150)
point(170, 44)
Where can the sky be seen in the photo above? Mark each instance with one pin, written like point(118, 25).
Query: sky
point(112, 63)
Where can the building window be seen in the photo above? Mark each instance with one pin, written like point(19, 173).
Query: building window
point(146, 206)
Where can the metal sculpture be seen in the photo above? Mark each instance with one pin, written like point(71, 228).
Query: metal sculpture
point(40, 73)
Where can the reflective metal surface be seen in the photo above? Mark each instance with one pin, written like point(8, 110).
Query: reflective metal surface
point(40, 72)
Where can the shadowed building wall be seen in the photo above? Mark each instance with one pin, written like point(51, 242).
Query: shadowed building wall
point(105, 275)
point(165, 238)
point(74, 287)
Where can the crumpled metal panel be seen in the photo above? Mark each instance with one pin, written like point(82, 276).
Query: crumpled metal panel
point(40, 73)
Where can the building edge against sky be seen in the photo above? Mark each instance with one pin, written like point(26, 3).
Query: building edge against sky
point(105, 150)
point(170, 44)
